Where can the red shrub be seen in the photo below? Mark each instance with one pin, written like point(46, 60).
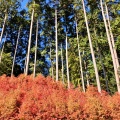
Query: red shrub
point(42, 98)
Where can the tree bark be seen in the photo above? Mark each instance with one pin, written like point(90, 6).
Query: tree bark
point(62, 63)
point(111, 48)
point(25, 63)
point(112, 37)
point(29, 44)
point(52, 72)
point(56, 44)
point(56, 38)
point(92, 52)
point(15, 51)
point(3, 28)
point(36, 44)
point(68, 77)
point(86, 74)
point(104, 72)
point(100, 55)
point(80, 61)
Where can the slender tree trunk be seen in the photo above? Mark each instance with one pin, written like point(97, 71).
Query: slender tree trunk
point(56, 37)
point(80, 61)
point(68, 77)
point(91, 48)
point(35, 49)
point(88, 84)
point(15, 52)
point(100, 55)
point(52, 72)
point(2, 48)
point(111, 48)
point(104, 72)
point(112, 37)
point(29, 44)
point(25, 63)
point(3, 28)
point(62, 63)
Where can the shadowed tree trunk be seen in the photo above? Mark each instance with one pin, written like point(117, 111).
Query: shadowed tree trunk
point(15, 51)
point(25, 63)
point(100, 55)
point(104, 72)
point(80, 61)
point(52, 72)
point(86, 73)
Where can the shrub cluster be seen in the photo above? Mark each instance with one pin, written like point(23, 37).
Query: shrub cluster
point(25, 98)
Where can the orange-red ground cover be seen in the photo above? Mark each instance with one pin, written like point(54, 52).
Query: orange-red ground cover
point(22, 98)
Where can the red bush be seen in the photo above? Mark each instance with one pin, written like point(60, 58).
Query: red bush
point(42, 98)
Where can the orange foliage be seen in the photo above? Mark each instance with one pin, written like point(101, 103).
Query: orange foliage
point(42, 98)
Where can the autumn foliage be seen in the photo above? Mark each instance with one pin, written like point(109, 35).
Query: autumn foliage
point(25, 98)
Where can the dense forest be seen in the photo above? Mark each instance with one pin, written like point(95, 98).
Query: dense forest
point(73, 41)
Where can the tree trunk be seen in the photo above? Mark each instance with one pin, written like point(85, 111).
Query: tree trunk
point(112, 37)
point(92, 52)
point(100, 55)
point(56, 38)
point(88, 84)
point(104, 72)
point(35, 49)
point(111, 48)
point(62, 63)
point(68, 77)
point(29, 44)
point(52, 72)
point(2, 48)
point(3, 28)
point(15, 51)
point(25, 63)
point(80, 61)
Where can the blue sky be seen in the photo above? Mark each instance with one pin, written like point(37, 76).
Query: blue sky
point(24, 4)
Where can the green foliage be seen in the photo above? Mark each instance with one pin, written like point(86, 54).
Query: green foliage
point(6, 64)
point(36, 7)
